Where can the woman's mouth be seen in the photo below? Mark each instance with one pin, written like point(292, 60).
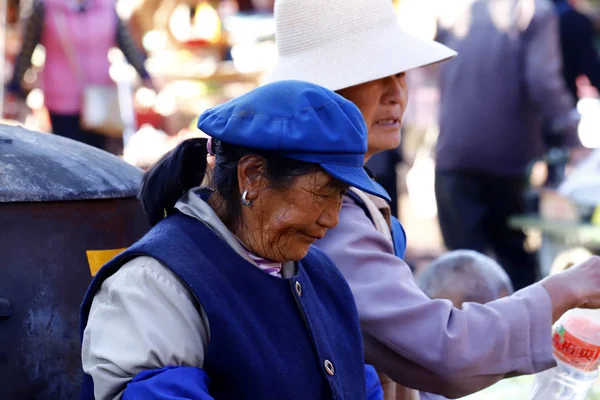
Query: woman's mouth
point(389, 123)
point(312, 237)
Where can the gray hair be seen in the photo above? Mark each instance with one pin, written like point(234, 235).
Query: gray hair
point(474, 275)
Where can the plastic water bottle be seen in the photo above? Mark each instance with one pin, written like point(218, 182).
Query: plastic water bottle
point(576, 342)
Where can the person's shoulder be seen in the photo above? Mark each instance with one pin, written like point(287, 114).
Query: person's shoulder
point(147, 273)
point(143, 263)
point(353, 205)
point(177, 225)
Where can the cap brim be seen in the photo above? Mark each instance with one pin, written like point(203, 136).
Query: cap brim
point(356, 177)
point(368, 57)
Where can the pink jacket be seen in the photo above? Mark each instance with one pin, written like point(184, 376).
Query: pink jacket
point(91, 34)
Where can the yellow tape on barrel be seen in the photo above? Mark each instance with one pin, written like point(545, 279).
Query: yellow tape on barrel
point(97, 258)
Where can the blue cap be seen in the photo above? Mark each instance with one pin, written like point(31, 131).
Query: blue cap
point(298, 120)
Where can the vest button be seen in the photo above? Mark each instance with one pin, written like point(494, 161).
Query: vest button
point(329, 367)
point(298, 288)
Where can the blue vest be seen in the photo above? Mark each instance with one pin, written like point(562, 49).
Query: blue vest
point(270, 338)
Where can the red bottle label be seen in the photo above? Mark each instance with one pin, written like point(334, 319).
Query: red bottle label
point(574, 350)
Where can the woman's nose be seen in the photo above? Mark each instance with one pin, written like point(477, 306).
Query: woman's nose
point(330, 217)
point(394, 88)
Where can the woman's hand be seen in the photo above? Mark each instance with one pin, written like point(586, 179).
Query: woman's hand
point(577, 287)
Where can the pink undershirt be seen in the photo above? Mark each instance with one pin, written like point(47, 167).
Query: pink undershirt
point(270, 267)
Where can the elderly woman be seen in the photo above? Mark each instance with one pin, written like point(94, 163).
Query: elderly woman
point(224, 297)
point(356, 47)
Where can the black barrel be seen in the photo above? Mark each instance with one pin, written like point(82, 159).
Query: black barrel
point(65, 208)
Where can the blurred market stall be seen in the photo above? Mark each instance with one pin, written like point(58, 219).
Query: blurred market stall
point(200, 53)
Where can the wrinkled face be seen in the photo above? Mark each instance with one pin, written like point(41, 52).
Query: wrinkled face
point(382, 103)
point(283, 223)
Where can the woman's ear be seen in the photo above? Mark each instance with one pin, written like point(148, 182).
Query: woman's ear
point(252, 176)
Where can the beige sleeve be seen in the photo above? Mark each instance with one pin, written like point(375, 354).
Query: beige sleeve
point(143, 317)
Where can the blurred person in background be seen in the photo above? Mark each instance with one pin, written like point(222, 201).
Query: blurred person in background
point(494, 99)
point(580, 59)
point(91, 28)
point(579, 53)
point(463, 276)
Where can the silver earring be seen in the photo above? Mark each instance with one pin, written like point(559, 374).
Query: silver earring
point(246, 202)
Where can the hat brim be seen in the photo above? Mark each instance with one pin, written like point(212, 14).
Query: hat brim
point(356, 177)
point(372, 55)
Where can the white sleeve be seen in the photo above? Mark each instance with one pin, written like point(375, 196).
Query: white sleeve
point(142, 318)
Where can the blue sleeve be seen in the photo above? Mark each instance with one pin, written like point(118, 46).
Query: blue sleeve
point(374, 389)
point(169, 383)
point(399, 237)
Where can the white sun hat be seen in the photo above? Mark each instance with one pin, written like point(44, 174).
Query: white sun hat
point(341, 43)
